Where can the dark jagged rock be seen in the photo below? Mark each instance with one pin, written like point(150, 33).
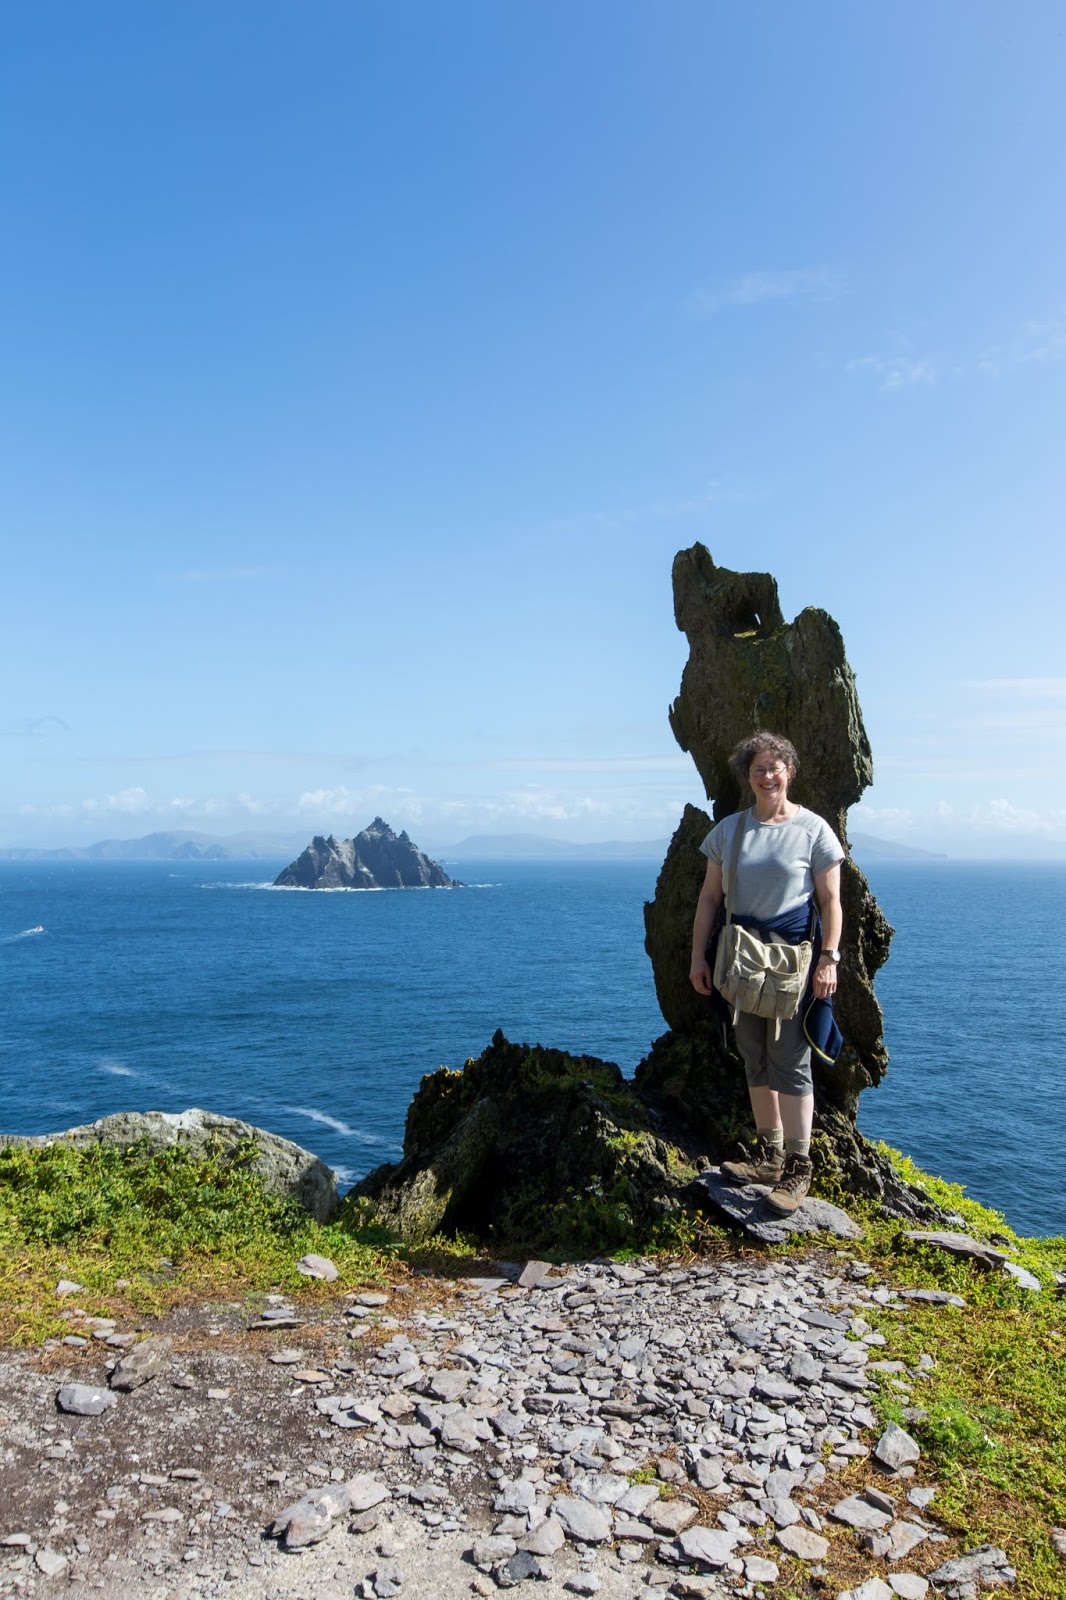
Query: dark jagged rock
point(377, 858)
point(529, 1146)
point(327, 863)
point(748, 668)
point(533, 1148)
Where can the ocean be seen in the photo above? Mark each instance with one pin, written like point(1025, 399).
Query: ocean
point(163, 985)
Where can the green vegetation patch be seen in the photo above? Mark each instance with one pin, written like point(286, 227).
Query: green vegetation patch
point(141, 1231)
point(993, 1438)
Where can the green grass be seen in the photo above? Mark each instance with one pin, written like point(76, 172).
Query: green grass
point(994, 1437)
point(142, 1230)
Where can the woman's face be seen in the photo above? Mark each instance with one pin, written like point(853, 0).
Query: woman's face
point(769, 776)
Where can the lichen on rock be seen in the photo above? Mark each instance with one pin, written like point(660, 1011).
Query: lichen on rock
point(529, 1145)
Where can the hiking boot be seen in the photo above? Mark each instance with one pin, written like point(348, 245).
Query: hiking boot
point(766, 1165)
point(788, 1193)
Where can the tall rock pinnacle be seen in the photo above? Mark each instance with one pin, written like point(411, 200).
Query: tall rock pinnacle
point(748, 668)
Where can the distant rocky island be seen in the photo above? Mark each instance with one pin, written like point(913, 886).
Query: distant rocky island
point(377, 858)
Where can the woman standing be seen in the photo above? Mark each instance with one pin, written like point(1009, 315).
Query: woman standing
point(787, 856)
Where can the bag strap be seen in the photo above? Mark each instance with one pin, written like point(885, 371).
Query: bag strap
point(734, 857)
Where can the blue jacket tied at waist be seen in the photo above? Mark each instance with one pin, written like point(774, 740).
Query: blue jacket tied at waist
point(819, 1023)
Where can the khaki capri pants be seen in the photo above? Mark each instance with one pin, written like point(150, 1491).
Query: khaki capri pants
point(784, 1063)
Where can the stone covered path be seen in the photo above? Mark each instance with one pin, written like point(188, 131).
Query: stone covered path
point(627, 1430)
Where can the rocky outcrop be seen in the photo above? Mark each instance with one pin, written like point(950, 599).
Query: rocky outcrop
point(377, 858)
point(529, 1145)
point(284, 1167)
point(748, 668)
point(531, 1148)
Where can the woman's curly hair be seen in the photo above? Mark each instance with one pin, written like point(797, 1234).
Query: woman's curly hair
point(761, 742)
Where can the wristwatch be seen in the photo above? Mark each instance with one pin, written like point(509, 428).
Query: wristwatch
point(831, 955)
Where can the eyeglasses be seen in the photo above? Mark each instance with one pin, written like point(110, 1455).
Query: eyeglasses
point(766, 772)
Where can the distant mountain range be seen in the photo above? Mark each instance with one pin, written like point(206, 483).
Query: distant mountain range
point(184, 846)
point(537, 847)
point(173, 846)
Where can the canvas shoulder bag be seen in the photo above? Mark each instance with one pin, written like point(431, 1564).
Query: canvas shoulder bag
point(763, 978)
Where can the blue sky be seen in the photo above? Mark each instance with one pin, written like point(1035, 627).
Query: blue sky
point(366, 366)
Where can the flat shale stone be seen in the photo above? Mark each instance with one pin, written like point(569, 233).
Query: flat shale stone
point(802, 1542)
point(757, 1569)
point(895, 1543)
point(312, 1266)
point(545, 1539)
point(908, 1585)
point(532, 1273)
point(50, 1562)
point(958, 1244)
point(491, 1550)
point(857, 1512)
point(873, 1589)
point(670, 1516)
point(581, 1520)
point(707, 1547)
point(987, 1566)
point(747, 1207)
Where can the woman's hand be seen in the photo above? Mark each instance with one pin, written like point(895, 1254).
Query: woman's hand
point(707, 906)
point(700, 977)
point(825, 979)
point(827, 894)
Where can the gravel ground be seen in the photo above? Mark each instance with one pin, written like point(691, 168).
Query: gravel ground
point(621, 1430)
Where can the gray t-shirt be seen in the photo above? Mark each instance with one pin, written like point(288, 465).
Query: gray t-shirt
point(778, 860)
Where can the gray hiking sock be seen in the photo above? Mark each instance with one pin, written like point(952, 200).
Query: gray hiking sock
point(798, 1147)
point(772, 1136)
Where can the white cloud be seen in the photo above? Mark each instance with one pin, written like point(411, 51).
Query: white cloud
point(344, 800)
point(1038, 341)
point(882, 816)
point(897, 372)
point(1003, 816)
point(39, 727)
point(1035, 342)
point(956, 827)
point(131, 802)
point(820, 284)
